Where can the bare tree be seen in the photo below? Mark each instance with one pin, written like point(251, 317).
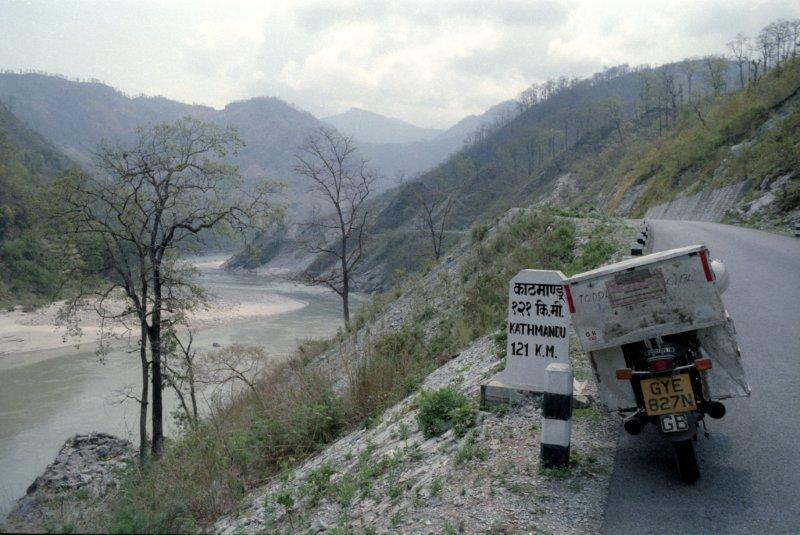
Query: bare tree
point(180, 361)
point(715, 73)
point(740, 49)
point(147, 201)
point(794, 26)
point(689, 67)
point(613, 108)
point(434, 204)
point(343, 181)
point(670, 93)
point(765, 47)
point(236, 364)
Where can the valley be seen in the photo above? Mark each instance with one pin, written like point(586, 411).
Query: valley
point(289, 312)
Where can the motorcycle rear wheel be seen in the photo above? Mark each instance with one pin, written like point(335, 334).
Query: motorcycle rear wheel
point(686, 461)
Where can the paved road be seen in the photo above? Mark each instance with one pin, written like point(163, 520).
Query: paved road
point(750, 465)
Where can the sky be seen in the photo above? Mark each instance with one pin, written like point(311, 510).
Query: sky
point(427, 62)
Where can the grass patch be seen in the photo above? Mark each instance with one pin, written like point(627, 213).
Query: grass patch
point(470, 450)
point(443, 409)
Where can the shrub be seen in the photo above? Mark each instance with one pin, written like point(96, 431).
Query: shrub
point(789, 197)
point(318, 482)
point(464, 417)
point(478, 232)
point(595, 252)
point(440, 410)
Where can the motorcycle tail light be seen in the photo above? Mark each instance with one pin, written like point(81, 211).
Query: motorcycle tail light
point(624, 374)
point(660, 365)
point(702, 364)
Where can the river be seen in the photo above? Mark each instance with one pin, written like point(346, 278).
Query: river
point(51, 395)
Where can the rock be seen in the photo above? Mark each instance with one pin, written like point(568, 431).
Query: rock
point(216, 344)
point(316, 527)
point(85, 463)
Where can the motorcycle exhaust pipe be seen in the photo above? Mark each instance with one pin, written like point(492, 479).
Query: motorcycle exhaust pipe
point(716, 410)
point(634, 423)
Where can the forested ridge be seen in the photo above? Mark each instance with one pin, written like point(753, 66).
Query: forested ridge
point(29, 271)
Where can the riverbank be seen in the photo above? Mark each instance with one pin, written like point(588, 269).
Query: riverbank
point(27, 337)
point(50, 394)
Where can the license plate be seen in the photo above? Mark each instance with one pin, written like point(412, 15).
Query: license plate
point(672, 423)
point(665, 395)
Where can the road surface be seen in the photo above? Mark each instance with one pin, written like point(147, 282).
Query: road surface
point(750, 466)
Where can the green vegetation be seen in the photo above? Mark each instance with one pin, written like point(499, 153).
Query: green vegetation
point(470, 450)
point(207, 471)
point(687, 157)
point(444, 409)
point(536, 238)
point(30, 259)
point(318, 483)
point(789, 198)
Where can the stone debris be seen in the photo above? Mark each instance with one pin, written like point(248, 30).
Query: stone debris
point(391, 479)
point(82, 472)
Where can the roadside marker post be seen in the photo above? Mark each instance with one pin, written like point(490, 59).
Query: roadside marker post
point(537, 331)
point(556, 414)
point(797, 229)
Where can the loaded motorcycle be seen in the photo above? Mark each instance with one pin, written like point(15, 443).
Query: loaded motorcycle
point(661, 344)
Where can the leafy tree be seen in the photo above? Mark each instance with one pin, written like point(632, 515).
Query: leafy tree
point(147, 202)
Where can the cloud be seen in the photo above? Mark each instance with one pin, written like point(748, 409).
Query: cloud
point(434, 62)
point(429, 62)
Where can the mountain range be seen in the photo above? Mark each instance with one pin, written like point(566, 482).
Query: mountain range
point(76, 116)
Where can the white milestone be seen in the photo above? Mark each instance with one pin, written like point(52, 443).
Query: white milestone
point(538, 327)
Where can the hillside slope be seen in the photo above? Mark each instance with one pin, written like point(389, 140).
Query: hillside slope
point(599, 142)
point(76, 116)
point(357, 400)
point(27, 162)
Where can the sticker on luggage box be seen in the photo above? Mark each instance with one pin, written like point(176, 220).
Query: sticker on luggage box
point(636, 286)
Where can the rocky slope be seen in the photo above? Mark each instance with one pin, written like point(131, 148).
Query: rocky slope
point(381, 470)
point(390, 477)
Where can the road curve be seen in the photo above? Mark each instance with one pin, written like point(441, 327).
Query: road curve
point(750, 466)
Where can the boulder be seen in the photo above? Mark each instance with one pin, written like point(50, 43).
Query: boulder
point(86, 467)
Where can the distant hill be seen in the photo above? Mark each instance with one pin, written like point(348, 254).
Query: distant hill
point(468, 125)
point(369, 127)
point(76, 116)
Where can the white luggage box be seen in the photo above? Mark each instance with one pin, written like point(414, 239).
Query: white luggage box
point(655, 295)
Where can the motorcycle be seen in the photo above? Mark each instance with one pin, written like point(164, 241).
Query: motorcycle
point(666, 374)
point(661, 344)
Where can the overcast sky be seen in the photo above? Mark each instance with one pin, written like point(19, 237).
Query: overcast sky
point(429, 62)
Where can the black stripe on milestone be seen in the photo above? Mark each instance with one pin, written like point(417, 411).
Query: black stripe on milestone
point(557, 406)
point(553, 456)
